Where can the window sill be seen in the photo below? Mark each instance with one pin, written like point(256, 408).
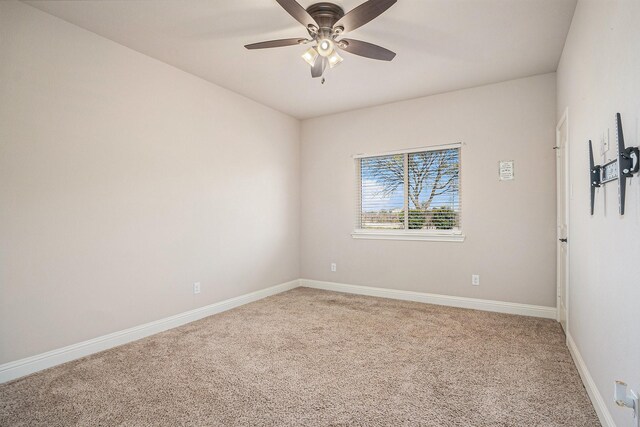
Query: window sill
point(408, 235)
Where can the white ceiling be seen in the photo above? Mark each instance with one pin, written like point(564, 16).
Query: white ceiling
point(442, 45)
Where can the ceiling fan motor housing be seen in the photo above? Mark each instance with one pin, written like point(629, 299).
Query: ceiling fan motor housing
point(326, 15)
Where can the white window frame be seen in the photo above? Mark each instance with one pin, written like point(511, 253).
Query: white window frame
point(429, 235)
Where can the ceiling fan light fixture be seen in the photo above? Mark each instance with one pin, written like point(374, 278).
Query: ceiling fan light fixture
point(325, 47)
point(325, 22)
point(335, 59)
point(310, 56)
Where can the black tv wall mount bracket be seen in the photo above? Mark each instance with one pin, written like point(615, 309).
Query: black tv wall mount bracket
point(625, 166)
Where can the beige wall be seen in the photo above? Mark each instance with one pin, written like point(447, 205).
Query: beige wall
point(599, 75)
point(509, 226)
point(123, 181)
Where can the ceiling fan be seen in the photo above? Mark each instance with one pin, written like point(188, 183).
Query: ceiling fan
point(326, 22)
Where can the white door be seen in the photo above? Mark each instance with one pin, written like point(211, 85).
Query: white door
point(562, 166)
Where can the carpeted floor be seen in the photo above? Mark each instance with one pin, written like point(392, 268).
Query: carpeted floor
point(317, 358)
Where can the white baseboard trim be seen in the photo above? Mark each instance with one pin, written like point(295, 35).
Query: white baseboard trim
point(19, 368)
point(594, 394)
point(451, 301)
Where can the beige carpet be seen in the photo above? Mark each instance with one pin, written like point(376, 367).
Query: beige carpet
point(317, 358)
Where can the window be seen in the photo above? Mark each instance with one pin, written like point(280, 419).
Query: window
point(410, 195)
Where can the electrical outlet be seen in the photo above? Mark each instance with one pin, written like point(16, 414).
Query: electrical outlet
point(196, 288)
point(475, 279)
point(627, 398)
point(334, 267)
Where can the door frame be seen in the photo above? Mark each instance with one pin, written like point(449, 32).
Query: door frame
point(564, 120)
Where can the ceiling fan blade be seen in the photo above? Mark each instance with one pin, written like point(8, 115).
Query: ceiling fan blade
point(274, 43)
point(298, 12)
point(318, 67)
point(368, 50)
point(364, 13)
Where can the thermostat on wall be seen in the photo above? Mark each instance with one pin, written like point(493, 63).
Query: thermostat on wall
point(506, 170)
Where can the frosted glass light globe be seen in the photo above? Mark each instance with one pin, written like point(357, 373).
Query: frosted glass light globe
point(325, 47)
point(334, 59)
point(310, 56)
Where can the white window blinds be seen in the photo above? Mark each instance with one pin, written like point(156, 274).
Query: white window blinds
point(411, 191)
point(382, 192)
